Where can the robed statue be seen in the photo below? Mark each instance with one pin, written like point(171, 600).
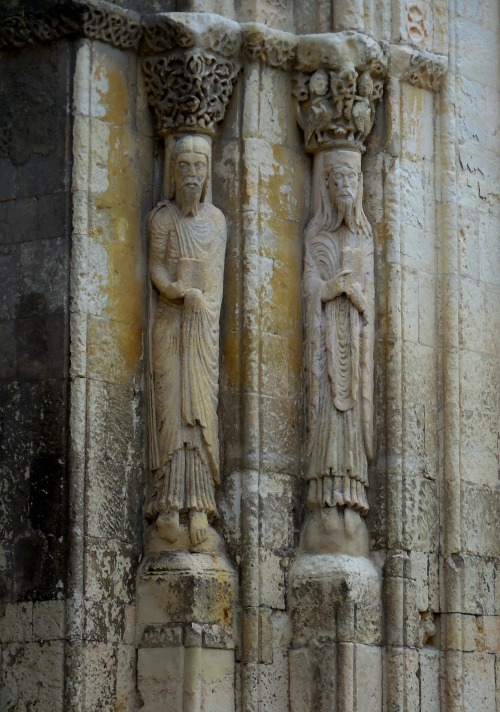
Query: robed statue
point(339, 340)
point(187, 251)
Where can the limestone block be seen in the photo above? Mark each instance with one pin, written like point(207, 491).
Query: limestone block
point(417, 137)
point(126, 662)
point(114, 460)
point(402, 613)
point(480, 513)
point(479, 176)
point(104, 621)
point(429, 666)
point(335, 598)
point(479, 389)
point(48, 620)
point(471, 125)
point(301, 677)
point(475, 47)
point(427, 309)
point(477, 576)
point(410, 304)
point(160, 673)
point(272, 580)
point(280, 434)
point(421, 513)
point(417, 247)
point(480, 519)
point(479, 682)
point(276, 493)
point(402, 678)
point(280, 365)
point(488, 244)
point(170, 678)
point(185, 588)
point(473, 316)
point(16, 624)
point(274, 676)
point(114, 349)
point(420, 573)
point(368, 682)
point(100, 674)
point(33, 677)
point(468, 231)
point(277, 122)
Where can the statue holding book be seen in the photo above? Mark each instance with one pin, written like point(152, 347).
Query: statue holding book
point(187, 251)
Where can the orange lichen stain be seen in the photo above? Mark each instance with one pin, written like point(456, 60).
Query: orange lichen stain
point(119, 204)
point(230, 344)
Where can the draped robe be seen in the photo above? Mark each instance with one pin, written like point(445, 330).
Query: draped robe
point(339, 363)
point(184, 362)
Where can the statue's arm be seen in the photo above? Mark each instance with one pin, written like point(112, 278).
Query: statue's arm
point(159, 236)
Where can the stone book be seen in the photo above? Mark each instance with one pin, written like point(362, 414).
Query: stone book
point(191, 273)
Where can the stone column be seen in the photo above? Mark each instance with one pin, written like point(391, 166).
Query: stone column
point(186, 587)
point(335, 596)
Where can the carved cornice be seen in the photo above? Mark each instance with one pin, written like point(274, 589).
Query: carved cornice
point(48, 21)
point(340, 78)
point(181, 30)
point(190, 65)
point(418, 67)
point(272, 47)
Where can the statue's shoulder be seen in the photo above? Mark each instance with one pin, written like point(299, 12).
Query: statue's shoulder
point(162, 214)
point(217, 216)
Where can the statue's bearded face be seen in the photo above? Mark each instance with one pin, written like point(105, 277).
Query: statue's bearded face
point(343, 182)
point(190, 176)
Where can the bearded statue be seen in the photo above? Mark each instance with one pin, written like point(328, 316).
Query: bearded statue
point(187, 251)
point(339, 339)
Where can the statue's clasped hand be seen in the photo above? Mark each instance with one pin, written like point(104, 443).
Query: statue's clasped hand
point(332, 288)
point(193, 297)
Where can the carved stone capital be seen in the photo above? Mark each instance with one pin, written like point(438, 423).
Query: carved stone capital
point(41, 22)
point(339, 80)
point(190, 65)
point(418, 67)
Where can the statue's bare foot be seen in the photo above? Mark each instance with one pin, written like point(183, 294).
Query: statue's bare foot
point(167, 524)
point(198, 526)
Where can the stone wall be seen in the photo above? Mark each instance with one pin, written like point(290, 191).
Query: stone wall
point(80, 170)
point(35, 219)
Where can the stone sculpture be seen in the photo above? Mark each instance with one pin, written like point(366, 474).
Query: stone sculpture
point(339, 303)
point(339, 81)
point(187, 249)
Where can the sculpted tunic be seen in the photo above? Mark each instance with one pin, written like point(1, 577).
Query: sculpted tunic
point(339, 362)
point(185, 359)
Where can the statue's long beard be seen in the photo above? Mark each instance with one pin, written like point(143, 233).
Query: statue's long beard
point(345, 213)
point(189, 201)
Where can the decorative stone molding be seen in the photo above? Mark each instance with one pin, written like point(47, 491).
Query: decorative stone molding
point(48, 22)
point(189, 84)
point(180, 30)
point(418, 67)
point(272, 47)
point(339, 80)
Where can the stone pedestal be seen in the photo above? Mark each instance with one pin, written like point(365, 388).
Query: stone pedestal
point(185, 632)
point(336, 614)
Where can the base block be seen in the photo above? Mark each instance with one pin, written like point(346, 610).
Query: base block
point(186, 632)
point(336, 659)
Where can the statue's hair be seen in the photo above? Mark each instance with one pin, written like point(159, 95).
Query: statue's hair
point(324, 217)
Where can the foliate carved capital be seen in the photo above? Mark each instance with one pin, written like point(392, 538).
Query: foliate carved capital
point(190, 65)
point(418, 67)
point(340, 79)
